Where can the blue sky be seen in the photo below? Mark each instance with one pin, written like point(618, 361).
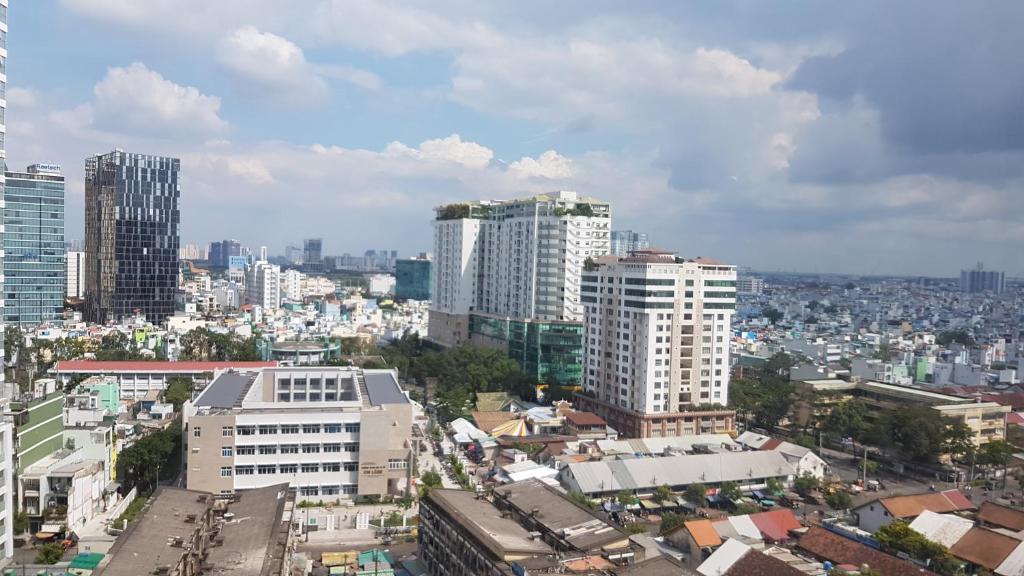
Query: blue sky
point(816, 136)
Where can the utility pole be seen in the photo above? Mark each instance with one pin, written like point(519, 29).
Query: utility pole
point(865, 480)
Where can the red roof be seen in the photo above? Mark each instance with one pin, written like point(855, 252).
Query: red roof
point(771, 444)
point(154, 366)
point(585, 419)
point(839, 550)
point(775, 525)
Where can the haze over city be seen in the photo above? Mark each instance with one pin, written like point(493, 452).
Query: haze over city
point(806, 136)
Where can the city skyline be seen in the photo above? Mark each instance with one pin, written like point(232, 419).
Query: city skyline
point(783, 138)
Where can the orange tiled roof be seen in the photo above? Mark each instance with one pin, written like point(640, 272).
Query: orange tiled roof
point(703, 533)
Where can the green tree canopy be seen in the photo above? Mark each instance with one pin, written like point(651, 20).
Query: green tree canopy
point(805, 484)
point(696, 494)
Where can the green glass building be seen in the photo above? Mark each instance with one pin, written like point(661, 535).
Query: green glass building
point(413, 279)
point(34, 266)
point(550, 351)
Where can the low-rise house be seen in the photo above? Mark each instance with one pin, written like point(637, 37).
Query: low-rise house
point(585, 425)
point(836, 549)
point(63, 490)
point(877, 513)
point(992, 515)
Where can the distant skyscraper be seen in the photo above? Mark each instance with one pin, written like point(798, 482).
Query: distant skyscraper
point(76, 275)
point(221, 252)
point(131, 236)
point(626, 241)
point(192, 252)
point(34, 268)
point(659, 335)
point(293, 254)
point(263, 253)
point(311, 252)
point(980, 280)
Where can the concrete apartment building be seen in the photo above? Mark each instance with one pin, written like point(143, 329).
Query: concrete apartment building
point(979, 280)
point(657, 343)
point(330, 432)
point(527, 527)
point(135, 379)
point(75, 287)
point(626, 241)
point(185, 533)
point(516, 264)
point(263, 285)
point(986, 420)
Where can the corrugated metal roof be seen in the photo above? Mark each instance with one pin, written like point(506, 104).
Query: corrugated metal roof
point(154, 366)
point(649, 473)
point(723, 558)
point(946, 529)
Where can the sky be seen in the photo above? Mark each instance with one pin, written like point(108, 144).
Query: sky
point(818, 136)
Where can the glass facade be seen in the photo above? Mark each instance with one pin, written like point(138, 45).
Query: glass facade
point(131, 236)
point(549, 351)
point(34, 267)
point(413, 279)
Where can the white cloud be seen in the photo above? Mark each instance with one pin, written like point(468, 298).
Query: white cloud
point(277, 65)
point(271, 62)
point(137, 99)
point(450, 149)
point(22, 97)
point(550, 165)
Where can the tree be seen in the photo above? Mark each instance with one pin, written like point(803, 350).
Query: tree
point(116, 345)
point(179, 390)
point(50, 553)
point(899, 537)
point(428, 481)
point(778, 365)
point(731, 490)
point(581, 499)
point(839, 500)
point(847, 420)
point(774, 486)
point(670, 521)
point(156, 453)
point(806, 484)
point(884, 351)
point(959, 441)
point(696, 494)
point(663, 493)
point(997, 453)
point(773, 315)
point(14, 342)
point(20, 522)
point(625, 497)
point(958, 336)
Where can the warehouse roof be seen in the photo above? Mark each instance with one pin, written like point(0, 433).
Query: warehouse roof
point(649, 473)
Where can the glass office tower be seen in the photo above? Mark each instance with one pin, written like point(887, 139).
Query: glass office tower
point(34, 267)
point(131, 236)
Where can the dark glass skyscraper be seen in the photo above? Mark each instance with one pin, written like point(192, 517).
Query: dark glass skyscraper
point(311, 254)
point(131, 236)
point(34, 268)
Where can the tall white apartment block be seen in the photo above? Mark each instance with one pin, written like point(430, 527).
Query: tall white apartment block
point(657, 331)
point(263, 285)
point(516, 259)
point(76, 275)
point(291, 285)
point(7, 429)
